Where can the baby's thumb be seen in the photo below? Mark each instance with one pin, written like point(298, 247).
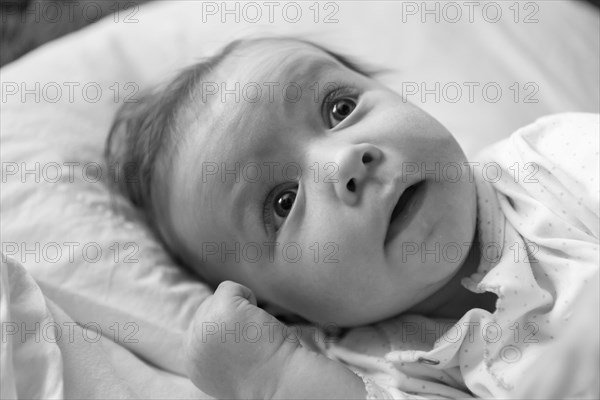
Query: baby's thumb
point(233, 289)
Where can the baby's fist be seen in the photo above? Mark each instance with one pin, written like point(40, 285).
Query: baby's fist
point(233, 348)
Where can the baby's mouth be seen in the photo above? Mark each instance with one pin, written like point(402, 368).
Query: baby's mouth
point(404, 209)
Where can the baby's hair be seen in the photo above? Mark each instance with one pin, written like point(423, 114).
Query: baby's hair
point(145, 130)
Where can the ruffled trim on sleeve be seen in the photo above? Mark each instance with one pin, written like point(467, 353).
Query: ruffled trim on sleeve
point(377, 392)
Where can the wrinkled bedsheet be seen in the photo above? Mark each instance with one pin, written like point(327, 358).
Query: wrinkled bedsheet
point(46, 355)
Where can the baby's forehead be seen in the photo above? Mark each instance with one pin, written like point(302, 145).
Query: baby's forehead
point(279, 60)
point(235, 107)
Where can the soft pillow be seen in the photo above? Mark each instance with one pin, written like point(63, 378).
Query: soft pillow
point(56, 218)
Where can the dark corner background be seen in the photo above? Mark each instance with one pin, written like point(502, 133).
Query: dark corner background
point(22, 28)
point(20, 31)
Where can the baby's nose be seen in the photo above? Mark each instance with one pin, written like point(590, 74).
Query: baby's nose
point(355, 164)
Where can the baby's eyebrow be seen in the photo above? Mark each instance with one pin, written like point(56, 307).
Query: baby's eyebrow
point(348, 62)
point(310, 75)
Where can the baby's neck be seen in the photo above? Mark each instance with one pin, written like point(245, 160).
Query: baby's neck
point(453, 300)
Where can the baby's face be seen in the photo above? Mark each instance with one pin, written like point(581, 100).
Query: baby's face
point(325, 203)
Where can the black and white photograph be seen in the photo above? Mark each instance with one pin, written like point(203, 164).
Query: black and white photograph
point(384, 199)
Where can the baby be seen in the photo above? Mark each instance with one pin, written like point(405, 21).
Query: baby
point(286, 175)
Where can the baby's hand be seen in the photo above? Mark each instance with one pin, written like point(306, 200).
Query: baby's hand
point(235, 349)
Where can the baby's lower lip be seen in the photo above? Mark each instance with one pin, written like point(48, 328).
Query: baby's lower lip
point(407, 207)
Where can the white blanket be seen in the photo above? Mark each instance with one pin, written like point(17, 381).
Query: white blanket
point(46, 355)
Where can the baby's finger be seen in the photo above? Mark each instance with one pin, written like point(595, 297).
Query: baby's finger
point(233, 289)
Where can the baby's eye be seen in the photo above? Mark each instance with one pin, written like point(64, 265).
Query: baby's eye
point(284, 203)
point(338, 107)
point(341, 109)
point(279, 205)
